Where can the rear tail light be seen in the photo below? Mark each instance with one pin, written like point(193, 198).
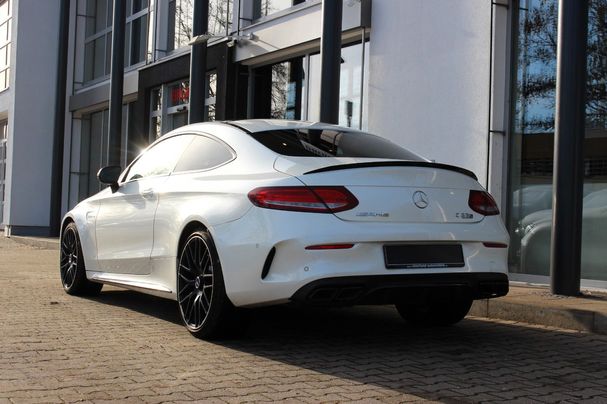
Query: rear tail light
point(483, 203)
point(304, 199)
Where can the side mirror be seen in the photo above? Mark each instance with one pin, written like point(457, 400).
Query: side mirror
point(109, 175)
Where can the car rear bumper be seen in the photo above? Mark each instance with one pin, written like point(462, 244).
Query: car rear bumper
point(265, 261)
point(415, 288)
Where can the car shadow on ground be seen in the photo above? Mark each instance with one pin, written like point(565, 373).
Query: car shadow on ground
point(475, 360)
point(163, 309)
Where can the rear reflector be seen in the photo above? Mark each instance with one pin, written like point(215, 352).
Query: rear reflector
point(304, 199)
point(482, 202)
point(495, 245)
point(330, 247)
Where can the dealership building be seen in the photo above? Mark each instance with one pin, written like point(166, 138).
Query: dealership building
point(470, 83)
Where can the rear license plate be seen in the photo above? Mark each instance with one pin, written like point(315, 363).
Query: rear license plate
point(423, 256)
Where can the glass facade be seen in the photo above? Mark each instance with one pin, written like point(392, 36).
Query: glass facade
point(180, 13)
point(5, 43)
point(262, 8)
point(98, 36)
point(532, 141)
point(295, 87)
point(179, 23)
point(287, 89)
point(169, 106)
point(93, 149)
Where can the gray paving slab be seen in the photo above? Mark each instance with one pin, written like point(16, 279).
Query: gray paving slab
point(128, 347)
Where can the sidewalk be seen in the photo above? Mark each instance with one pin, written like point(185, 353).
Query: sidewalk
point(534, 305)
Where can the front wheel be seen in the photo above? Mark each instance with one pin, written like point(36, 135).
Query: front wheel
point(439, 312)
point(204, 306)
point(71, 265)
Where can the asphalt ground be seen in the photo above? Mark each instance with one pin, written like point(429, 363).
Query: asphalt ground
point(131, 347)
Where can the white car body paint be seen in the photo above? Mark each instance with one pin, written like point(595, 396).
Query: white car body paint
point(135, 244)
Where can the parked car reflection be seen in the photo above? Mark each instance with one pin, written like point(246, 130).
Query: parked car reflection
point(535, 228)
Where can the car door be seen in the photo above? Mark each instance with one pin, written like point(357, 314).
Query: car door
point(125, 221)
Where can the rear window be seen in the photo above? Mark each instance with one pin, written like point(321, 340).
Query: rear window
point(331, 143)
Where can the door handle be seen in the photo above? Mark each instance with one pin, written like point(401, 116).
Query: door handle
point(147, 193)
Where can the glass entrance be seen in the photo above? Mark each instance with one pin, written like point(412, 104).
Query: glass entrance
point(532, 141)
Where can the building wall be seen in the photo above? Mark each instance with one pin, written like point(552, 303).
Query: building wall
point(30, 115)
point(429, 78)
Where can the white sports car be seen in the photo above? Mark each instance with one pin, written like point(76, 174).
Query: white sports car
point(220, 216)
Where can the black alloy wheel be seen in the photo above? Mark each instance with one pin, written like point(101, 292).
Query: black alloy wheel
point(71, 265)
point(204, 306)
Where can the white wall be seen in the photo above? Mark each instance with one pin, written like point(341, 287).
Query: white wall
point(429, 78)
point(31, 113)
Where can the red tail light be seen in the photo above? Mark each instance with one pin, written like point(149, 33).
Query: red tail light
point(304, 199)
point(482, 202)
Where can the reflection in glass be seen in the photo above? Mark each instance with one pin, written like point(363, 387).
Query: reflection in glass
point(261, 8)
point(210, 99)
point(156, 99)
point(286, 94)
point(156, 127)
point(220, 17)
point(180, 23)
point(533, 135)
point(179, 94)
point(349, 88)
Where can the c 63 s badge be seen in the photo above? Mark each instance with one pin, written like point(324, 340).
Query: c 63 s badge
point(464, 215)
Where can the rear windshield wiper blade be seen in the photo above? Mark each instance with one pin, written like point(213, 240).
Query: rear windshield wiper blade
point(395, 164)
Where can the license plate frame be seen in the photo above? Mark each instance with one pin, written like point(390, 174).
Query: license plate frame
point(423, 256)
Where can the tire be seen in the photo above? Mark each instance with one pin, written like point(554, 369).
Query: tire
point(71, 265)
point(435, 313)
point(204, 307)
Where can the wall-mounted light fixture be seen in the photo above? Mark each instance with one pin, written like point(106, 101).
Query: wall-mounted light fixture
point(231, 38)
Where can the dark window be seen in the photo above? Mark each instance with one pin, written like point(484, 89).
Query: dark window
point(160, 159)
point(202, 154)
point(331, 143)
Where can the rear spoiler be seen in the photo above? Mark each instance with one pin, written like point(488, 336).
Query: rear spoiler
point(395, 164)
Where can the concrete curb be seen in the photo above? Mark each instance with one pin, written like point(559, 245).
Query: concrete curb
point(534, 313)
point(47, 243)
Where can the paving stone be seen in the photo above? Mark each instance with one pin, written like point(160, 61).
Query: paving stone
point(128, 347)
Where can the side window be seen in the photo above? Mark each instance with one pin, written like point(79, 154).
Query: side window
point(160, 159)
point(202, 154)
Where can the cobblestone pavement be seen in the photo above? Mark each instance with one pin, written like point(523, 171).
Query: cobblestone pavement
point(130, 347)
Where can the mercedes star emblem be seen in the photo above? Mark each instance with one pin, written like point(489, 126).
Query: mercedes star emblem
point(420, 199)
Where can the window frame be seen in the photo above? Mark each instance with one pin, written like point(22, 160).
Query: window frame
point(106, 34)
point(6, 45)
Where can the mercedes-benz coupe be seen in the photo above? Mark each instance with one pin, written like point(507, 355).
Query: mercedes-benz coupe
point(228, 215)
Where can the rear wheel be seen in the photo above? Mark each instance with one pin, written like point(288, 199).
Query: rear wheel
point(71, 265)
point(204, 306)
point(438, 312)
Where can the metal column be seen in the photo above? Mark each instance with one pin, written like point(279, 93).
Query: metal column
point(198, 62)
point(568, 182)
point(59, 125)
point(116, 82)
point(330, 54)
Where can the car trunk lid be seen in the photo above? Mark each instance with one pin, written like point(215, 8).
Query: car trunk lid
point(391, 190)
